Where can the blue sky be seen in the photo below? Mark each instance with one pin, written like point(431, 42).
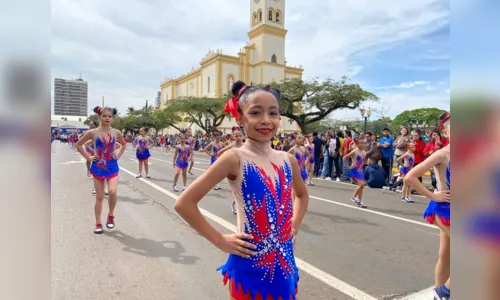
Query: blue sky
point(399, 50)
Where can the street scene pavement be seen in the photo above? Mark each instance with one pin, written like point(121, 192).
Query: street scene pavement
point(343, 252)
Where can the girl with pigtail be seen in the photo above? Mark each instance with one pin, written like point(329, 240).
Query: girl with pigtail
point(438, 210)
point(261, 259)
point(406, 162)
point(104, 163)
point(357, 155)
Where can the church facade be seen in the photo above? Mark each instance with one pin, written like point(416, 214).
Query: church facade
point(260, 61)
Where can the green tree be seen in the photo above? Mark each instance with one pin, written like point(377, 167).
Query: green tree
point(197, 110)
point(90, 119)
point(319, 99)
point(418, 118)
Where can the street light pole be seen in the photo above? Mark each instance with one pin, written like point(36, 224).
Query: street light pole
point(365, 114)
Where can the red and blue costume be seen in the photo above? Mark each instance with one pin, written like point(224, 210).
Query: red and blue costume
point(106, 166)
point(440, 209)
point(267, 205)
point(142, 152)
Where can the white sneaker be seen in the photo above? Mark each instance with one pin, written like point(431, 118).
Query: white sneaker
point(338, 179)
point(184, 188)
point(174, 188)
point(328, 179)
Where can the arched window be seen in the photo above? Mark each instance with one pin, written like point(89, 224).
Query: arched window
point(260, 15)
point(273, 58)
point(270, 15)
point(254, 18)
point(277, 17)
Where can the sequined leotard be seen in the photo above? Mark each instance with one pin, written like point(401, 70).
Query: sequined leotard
point(435, 209)
point(263, 193)
point(142, 152)
point(106, 166)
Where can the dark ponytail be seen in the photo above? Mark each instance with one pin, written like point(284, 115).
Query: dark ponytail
point(97, 110)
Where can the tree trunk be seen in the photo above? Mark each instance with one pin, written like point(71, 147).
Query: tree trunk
point(302, 125)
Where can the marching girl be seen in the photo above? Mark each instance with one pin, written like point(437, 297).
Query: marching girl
point(268, 221)
point(181, 158)
point(438, 210)
point(310, 161)
point(142, 144)
point(162, 143)
point(407, 161)
point(190, 142)
point(215, 146)
point(237, 143)
point(104, 163)
point(357, 155)
point(89, 148)
point(300, 152)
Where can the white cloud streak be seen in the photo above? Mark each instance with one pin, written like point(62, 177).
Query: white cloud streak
point(125, 51)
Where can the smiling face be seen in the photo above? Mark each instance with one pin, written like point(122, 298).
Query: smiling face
point(106, 117)
point(260, 116)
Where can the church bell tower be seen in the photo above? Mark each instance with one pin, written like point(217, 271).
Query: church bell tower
point(267, 31)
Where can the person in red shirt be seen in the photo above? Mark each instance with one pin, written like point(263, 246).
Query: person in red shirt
point(418, 153)
point(437, 142)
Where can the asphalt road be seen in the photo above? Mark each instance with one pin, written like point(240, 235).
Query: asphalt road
point(343, 252)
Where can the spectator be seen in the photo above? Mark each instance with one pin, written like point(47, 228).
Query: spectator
point(418, 153)
point(370, 147)
point(374, 174)
point(386, 145)
point(402, 142)
point(318, 143)
point(346, 149)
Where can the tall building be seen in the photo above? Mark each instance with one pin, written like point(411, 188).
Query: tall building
point(70, 97)
point(260, 61)
point(158, 100)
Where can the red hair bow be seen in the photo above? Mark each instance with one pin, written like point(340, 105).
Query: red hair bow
point(232, 107)
point(445, 117)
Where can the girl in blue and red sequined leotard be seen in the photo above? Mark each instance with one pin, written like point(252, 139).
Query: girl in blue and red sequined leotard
point(301, 154)
point(104, 163)
point(261, 263)
point(357, 171)
point(142, 145)
point(181, 161)
point(212, 149)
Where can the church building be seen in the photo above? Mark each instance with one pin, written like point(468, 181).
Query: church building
point(260, 61)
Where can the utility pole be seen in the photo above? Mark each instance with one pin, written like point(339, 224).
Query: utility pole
point(102, 101)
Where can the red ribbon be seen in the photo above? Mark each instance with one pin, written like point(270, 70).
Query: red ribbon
point(232, 107)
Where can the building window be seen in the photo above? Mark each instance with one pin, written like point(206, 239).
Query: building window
point(273, 58)
point(254, 18)
point(277, 17)
point(79, 119)
point(270, 15)
point(208, 85)
point(260, 15)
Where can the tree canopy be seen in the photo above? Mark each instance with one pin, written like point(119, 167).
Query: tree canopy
point(307, 102)
point(421, 117)
point(197, 110)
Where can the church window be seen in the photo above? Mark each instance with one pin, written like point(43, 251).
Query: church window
point(260, 15)
point(254, 18)
point(273, 58)
point(270, 15)
point(208, 85)
point(277, 17)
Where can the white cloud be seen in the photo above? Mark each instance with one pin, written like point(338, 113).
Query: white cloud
point(126, 50)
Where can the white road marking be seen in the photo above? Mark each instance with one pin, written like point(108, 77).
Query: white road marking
point(357, 208)
point(374, 212)
point(306, 267)
point(422, 295)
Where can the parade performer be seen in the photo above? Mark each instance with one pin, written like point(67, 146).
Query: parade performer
point(406, 162)
point(212, 150)
point(142, 144)
point(309, 160)
point(438, 210)
point(104, 163)
point(261, 264)
point(301, 154)
point(190, 142)
point(181, 159)
point(357, 173)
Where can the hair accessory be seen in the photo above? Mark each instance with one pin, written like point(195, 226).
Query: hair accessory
point(232, 107)
point(443, 119)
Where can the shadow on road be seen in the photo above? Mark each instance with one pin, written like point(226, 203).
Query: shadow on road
point(305, 228)
point(146, 247)
point(132, 200)
point(341, 219)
